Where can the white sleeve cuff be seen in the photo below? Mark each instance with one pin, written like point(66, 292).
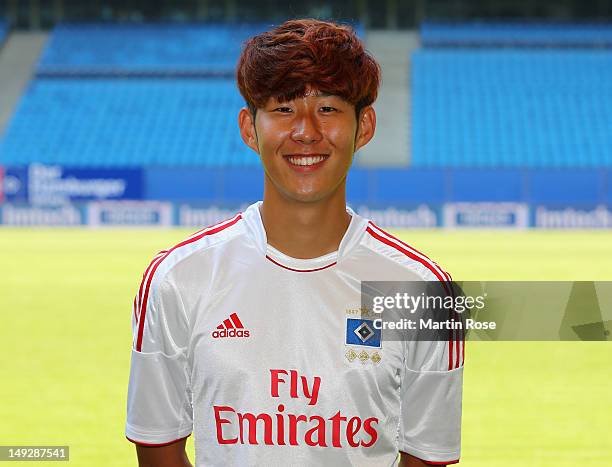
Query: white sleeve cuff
point(155, 439)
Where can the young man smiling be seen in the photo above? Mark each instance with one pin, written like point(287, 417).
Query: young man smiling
point(248, 333)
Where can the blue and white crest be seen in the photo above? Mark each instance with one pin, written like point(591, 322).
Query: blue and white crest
point(362, 332)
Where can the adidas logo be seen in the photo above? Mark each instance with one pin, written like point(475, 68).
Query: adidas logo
point(231, 327)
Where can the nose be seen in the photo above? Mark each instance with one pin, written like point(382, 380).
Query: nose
point(306, 130)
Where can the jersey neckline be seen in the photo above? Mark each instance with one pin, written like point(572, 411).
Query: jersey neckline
point(355, 230)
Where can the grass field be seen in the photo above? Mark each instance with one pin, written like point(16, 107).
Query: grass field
point(65, 300)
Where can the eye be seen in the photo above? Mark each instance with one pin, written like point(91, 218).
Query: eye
point(328, 109)
point(283, 109)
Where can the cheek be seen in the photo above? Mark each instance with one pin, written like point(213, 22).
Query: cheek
point(342, 136)
point(270, 135)
point(344, 146)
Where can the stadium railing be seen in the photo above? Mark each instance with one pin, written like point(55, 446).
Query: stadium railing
point(398, 187)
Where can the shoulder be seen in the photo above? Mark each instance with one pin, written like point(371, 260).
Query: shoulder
point(204, 239)
point(155, 288)
point(400, 253)
point(440, 355)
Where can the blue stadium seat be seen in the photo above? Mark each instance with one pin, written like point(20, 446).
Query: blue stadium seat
point(127, 123)
point(511, 108)
point(211, 48)
point(471, 34)
point(145, 47)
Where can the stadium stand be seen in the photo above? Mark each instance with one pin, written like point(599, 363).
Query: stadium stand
point(86, 112)
point(120, 48)
point(511, 108)
point(500, 34)
point(470, 107)
point(127, 123)
point(116, 95)
point(150, 48)
point(488, 124)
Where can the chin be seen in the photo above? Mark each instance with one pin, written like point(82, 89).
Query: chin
point(308, 197)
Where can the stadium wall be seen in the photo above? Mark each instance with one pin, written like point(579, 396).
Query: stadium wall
point(409, 198)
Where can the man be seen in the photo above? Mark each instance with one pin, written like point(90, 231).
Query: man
point(242, 332)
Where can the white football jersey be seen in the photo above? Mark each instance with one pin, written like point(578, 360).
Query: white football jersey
point(255, 353)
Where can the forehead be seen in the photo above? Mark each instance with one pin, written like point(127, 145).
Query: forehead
point(312, 92)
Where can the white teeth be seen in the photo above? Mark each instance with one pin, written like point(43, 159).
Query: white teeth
point(306, 160)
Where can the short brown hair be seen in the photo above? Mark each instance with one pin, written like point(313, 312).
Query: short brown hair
point(327, 56)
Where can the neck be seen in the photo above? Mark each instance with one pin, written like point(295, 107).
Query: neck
point(304, 229)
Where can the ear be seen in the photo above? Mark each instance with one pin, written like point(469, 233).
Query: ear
point(246, 123)
point(366, 126)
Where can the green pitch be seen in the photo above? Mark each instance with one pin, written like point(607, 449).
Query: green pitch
point(65, 301)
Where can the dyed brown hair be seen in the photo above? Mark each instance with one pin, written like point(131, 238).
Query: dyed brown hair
point(326, 56)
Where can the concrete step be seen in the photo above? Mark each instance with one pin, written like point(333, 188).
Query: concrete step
point(391, 144)
point(18, 58)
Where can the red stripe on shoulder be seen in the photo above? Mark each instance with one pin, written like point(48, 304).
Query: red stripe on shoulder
point(216, 228)
point(442, 275)
point(402, 247)
point(144, 278)
point(463, 351)
point(454, 345)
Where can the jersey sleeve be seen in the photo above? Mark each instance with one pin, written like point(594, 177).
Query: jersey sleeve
point(159, 405)
point(431, 394)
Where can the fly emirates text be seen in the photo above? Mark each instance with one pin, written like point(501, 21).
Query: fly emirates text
point(330, 430)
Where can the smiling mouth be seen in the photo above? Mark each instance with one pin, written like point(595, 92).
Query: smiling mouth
point(306, 161)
